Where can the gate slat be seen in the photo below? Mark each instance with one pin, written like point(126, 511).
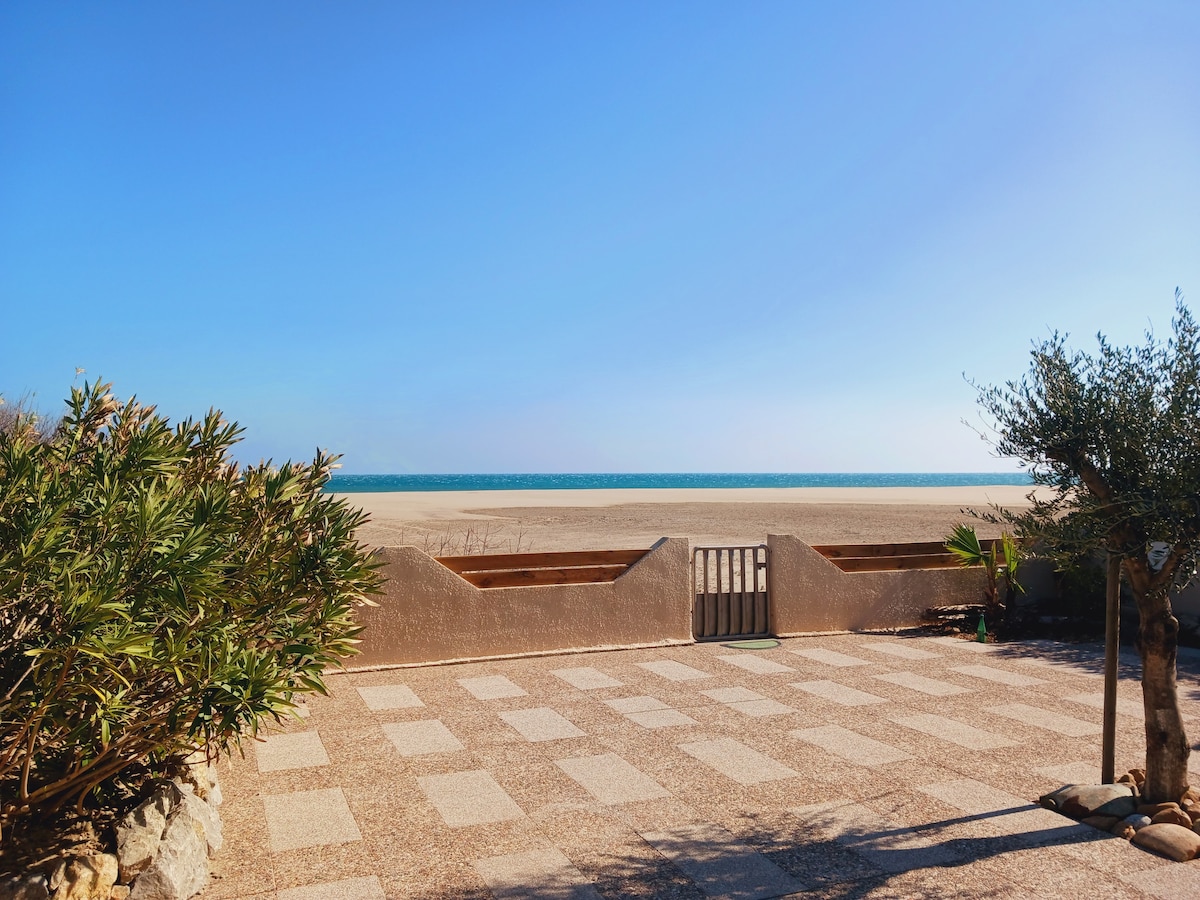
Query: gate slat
point(729, 600)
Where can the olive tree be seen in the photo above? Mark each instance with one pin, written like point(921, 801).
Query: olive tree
point(1116, 435)
point(155, 597)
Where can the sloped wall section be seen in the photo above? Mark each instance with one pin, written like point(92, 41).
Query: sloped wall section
point(428, 614)
point(810, 594)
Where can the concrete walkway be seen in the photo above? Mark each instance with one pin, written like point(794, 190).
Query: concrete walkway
point(836, 766)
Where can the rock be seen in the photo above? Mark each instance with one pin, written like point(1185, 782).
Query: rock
point(1192, 794)
point(1084, 800)
point(1139, 775)
point(1136, 822)
point(180, 866)
point(24, 887)
point(88, 878)
point(201, 775)
point(1126, 779)
point(1053, 800)
point(1194, 814)
point(141, 831)
point(1123, 830)
point(1104, 823)
point(1172, 841)
point(209, 821)
point(119, 892)
point(1153, 809)
point(1174, 816)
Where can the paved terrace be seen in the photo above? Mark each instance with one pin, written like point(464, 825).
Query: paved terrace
point(836, 766)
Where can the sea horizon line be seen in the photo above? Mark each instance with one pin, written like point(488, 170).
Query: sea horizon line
point(534, 481)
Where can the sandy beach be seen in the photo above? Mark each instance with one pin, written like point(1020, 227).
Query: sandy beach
point(452, 522)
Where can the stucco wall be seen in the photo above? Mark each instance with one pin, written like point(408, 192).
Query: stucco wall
point(428, 614)
point(809, 593)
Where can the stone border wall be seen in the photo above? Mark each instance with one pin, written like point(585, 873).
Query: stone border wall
point(428, 614)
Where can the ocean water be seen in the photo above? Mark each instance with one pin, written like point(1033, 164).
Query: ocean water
point(600, 481)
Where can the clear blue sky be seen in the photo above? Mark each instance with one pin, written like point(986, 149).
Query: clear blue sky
point(638, 236)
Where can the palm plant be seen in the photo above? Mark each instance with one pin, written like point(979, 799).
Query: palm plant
point(999, 561)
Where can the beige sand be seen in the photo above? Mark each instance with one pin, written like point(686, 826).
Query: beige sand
point(450, 522)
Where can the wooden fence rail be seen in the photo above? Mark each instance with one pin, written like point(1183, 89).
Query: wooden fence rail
point(894, 557)
point(499, 570)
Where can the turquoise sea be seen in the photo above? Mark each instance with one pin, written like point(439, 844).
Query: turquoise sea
point(600, 481)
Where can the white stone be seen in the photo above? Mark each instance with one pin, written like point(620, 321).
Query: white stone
point(180, 867)
point(89, 878)
point(141, 831)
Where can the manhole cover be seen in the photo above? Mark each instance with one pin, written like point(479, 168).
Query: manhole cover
point(768, 644)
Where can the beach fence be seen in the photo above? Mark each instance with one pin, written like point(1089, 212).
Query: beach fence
point(458, 608)
point(730, 585)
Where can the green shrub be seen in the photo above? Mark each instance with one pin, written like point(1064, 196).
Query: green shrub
point(156, 598)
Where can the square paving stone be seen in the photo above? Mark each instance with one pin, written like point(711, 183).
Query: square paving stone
point(610, 779)
point(1072, 773)
point(422, 737)
point(389, 696)
point(954, 731)
point(1044, 718)
point(839, 693)
point(541, 724)
point(1000, 676)
point(720, 864)
point(881, 842)
point(299, 750)
point(586, 678)
point(1172, 881)
point(850, 745)
point(756, 664)
point(650, 712)
point(536, 875)
point(966, 646)
point(367, 888)
point(735, 760)
point(469, 798)
point(673, 671)
point(901, 651)
point(830, 657)
point(934, 687)
point(309, 819)
point(492, 687)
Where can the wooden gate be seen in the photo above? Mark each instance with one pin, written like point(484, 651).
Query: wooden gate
point(731, 592)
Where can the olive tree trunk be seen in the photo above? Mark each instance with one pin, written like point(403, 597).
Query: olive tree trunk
point(1166, 743)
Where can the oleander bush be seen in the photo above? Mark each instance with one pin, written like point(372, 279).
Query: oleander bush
point(155, 597)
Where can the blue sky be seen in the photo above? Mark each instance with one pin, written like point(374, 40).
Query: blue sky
point(514, 237)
